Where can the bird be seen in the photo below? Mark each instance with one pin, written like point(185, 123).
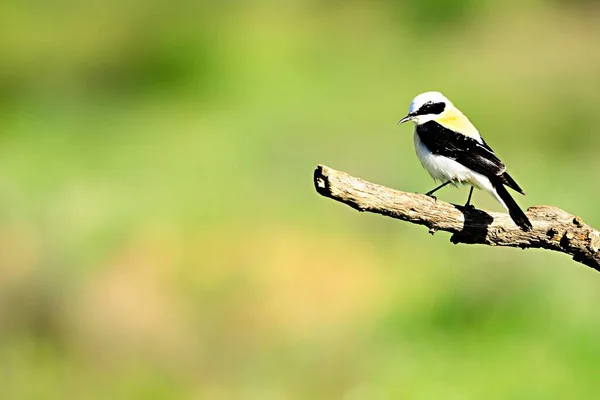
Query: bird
point(451, 149)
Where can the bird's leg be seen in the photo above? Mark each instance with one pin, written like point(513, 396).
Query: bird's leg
point(468, 205)
point(431, 192)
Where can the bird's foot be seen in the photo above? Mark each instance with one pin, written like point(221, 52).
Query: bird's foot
point(469, 206)
point(432, 196)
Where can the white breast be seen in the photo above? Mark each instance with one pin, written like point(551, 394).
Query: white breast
point(444, 169)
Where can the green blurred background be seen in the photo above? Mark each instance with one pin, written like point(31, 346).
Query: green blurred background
point(160, 237)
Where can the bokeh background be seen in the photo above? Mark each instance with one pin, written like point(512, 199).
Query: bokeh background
point(160, 237)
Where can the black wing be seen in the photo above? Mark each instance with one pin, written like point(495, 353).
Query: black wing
point(465, 150)
point(460, 148)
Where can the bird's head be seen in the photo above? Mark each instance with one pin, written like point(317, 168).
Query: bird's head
point(426, 107)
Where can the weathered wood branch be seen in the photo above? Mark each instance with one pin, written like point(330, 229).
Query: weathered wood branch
point(553, 228)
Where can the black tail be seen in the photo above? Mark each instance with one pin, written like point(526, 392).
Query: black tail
point(514, 210)
point(510, 182)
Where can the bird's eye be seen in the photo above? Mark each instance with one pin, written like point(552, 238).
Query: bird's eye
point(432, 108)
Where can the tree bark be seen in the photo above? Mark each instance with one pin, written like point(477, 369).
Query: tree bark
point(553, 228)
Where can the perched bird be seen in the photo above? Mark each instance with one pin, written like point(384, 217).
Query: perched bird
point(452, 151)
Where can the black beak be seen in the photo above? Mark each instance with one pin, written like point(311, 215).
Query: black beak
point(405, 119)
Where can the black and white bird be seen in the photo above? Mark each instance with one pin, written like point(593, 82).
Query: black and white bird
point(451, 149)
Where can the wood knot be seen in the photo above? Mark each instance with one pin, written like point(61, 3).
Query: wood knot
point(552, 232)
point(578, 221)
point(569, 235)
point(566, 239)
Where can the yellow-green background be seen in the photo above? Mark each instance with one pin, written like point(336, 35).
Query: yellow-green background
point(160, 237)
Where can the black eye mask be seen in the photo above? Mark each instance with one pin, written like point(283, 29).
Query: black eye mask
point(431, 108)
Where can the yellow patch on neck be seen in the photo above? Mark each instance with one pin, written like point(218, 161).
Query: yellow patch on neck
point(455, 120)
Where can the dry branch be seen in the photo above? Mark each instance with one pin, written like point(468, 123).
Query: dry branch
point(553, 228)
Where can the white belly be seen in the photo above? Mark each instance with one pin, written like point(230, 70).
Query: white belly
point(444, 169)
